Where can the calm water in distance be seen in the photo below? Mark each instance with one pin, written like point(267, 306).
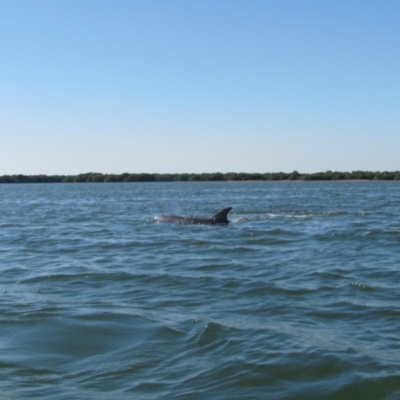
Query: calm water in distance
point(297, 298)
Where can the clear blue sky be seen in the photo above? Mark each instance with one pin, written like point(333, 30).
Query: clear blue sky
point(199, 86)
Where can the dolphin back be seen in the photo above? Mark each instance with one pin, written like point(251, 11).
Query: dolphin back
point(221, 217)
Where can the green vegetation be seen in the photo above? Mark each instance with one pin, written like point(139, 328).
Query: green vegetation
point(205, 177)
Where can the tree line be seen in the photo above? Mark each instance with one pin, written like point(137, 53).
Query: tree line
point(204, 177)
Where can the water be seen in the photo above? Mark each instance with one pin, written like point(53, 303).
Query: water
point(297, 298)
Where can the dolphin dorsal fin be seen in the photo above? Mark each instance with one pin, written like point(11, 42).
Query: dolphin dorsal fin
point(221, 217)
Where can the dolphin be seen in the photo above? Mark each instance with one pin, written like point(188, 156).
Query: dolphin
point(218, 218)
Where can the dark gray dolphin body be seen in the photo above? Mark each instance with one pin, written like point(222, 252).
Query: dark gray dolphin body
point(221, 217)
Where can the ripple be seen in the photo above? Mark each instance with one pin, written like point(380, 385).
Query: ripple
point(297, 298)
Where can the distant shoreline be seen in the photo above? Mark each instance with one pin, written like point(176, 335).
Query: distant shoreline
point(205, 177)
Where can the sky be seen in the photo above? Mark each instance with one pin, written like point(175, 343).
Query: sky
point(174, 86)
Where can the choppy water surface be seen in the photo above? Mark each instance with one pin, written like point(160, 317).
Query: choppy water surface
point(297, 298)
